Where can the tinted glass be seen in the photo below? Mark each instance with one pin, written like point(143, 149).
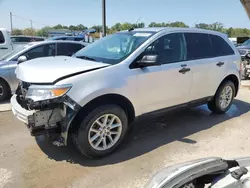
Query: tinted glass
point(170, 48)
point(41, 51)
point(78, 39)
point(220, 46)
point(2, 40)
point(68, 49)
point(37, 39)
point(198, 46)
point(246, 43)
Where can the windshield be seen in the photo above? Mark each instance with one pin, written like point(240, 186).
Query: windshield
point(114, 48)
point(12, 53)
point(246, 43)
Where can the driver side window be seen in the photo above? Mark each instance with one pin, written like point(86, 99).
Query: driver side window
point(170, 48)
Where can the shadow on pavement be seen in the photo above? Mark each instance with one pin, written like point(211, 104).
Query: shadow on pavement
point(149, 134)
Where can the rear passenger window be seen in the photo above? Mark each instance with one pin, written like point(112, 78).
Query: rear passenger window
point(198, 46)
point(1, 38)
point(220, 46)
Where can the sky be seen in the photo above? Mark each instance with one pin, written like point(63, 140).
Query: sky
point(89, 12)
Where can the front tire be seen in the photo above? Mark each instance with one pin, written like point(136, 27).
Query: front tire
point(101, 131)
point(223, 98)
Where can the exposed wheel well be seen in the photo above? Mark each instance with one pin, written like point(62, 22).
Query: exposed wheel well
point(234, 79)
point(117, 99)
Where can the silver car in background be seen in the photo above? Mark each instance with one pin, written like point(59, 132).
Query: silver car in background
point(8, 63)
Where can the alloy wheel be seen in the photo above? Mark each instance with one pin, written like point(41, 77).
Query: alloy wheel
point(226, 97)
point(105, 132)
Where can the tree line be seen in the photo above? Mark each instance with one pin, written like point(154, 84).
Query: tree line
point(217, 26)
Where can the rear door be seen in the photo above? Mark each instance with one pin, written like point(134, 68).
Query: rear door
point(201, 61)
point(224, 57)
point(68, 49)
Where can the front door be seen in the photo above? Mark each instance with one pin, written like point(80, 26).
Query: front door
point(168, 84)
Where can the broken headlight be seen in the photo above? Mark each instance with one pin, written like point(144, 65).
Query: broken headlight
point(40, 92)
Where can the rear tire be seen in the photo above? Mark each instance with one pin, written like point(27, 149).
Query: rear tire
point(4, 91)
point(94, 137)
point(223, 98)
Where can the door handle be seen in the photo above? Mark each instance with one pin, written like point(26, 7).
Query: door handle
point(220, 64)
point(4, 48)
point(184, 70)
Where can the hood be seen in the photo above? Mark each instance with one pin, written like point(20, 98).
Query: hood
point(50, 69)
point(244, 47)
point(243, 50)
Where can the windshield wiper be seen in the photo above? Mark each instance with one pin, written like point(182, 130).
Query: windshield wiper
point(86, 58)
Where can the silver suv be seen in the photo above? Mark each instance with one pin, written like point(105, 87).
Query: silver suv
point(96, 95)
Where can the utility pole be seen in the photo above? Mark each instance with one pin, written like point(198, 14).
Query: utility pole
point(104, 18)
point(11, 25)
point(31, 25)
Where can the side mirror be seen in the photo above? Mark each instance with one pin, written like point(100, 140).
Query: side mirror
point(148, 60)
point(21, 59)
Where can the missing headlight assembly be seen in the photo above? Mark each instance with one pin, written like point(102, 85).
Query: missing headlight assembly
point(45, 109)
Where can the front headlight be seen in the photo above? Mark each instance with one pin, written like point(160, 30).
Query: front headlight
point(40, 93)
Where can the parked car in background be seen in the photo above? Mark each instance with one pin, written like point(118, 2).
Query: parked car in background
point(97, 95)
point(21, 40)
point(244, 50)
point(6, 44)
point(71, 38)
point(8, 63)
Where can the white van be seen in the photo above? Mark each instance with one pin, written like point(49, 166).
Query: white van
point(6, 45)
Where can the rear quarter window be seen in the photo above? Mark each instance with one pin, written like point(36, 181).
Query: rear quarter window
point(220, 46)
point(2, 40)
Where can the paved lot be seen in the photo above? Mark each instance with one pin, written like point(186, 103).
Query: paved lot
point(152, 144)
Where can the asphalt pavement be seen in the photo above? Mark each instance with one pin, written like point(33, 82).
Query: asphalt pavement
point(153, 143)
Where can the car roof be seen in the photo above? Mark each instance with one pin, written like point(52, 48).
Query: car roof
point(25, 36)
point(56, 37)
point(54, 41)
point(169, 29)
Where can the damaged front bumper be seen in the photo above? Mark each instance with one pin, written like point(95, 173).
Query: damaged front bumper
point(55, 118)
